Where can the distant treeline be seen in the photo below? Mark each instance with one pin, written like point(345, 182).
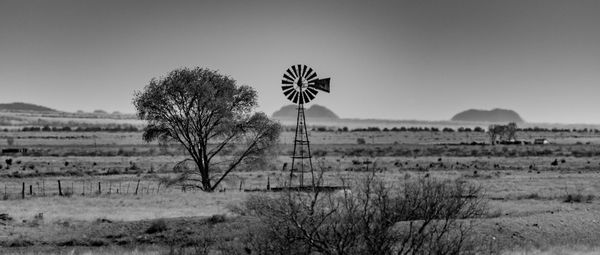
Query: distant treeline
point(445, 129)
point(111, 128)
point(133, 128)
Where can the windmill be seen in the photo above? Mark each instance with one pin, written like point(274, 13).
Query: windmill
point(300, 85)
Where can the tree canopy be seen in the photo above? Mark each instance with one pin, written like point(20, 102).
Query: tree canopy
point(211, 117)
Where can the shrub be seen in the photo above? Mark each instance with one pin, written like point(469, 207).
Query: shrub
point(578, 198)
point(217, 218)
point(425, 216)
point(20, 242)
point(74, 172)
point(113, 171)
point(157, 226)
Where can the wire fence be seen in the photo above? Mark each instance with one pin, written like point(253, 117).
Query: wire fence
point(15, 190)
point(49, 188)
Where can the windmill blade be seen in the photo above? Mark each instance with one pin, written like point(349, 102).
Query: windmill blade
point(291, 96)
point(310, 95)
point(286, 87)
point(287, 82)
point(312, 90)
point(304, 69)
point(295, 71)
point(289, 72)
point(287, 77)
point(309, 73)
point(295, 97)
point(299, 67)
point(288, 92)
point(312, 77)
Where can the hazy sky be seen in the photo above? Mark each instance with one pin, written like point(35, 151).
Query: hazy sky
point(398, 60)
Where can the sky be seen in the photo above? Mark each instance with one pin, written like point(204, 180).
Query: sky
point(415, 59)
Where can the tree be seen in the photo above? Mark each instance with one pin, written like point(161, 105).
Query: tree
point(504, 132)
point(493, 133)
point(211, 117)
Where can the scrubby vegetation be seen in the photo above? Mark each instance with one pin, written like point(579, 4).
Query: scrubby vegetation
point(421, 216)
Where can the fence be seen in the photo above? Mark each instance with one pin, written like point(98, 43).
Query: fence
point(45, 188)
point(56, 187)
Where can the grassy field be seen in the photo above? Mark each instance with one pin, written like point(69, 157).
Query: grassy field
point(542, 198)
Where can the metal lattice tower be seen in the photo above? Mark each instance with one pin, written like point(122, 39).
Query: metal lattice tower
point(300, 85)
point(301, 148)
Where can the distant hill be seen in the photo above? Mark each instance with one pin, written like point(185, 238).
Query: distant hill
point(495, 115)
point(313, 112)
point(20, 107)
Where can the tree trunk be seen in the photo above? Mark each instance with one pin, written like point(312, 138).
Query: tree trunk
point(205, 177)
point(206, 181)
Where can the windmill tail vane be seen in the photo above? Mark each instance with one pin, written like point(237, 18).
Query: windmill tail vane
point(300, 85)
point(322, 84)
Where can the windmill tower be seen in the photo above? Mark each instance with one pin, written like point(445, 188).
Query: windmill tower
point(300, 85)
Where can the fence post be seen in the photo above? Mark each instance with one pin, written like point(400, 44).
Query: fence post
point(158, 188)
point(129, 182)
point(268, 183)
point(59, 189)
point(23, 191)
point(31, 190)
point(83, 188)
point(43, 187)
point(109, 187)
point(99, 188)
point(137, 187)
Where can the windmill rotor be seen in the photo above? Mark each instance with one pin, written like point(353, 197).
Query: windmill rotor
point(300, 84)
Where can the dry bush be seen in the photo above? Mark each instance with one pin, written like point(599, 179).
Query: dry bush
point(423, 216)
point(157, 226)
point(578, 198)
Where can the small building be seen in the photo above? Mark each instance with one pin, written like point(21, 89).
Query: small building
point(541, 141)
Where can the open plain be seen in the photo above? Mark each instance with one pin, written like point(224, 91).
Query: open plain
point(541, 198)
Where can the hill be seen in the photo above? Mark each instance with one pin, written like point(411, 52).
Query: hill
point(495, 115)
point(20, 107)
point(313, 112)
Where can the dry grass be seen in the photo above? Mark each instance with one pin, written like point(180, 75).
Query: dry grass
point(142, 250)
point(122, 207)
point(563, 250)
point(517, 218)
point(527, 205)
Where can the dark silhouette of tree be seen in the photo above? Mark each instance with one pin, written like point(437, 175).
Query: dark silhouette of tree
point(211, 117)
point(504, 132)
point(493, 133)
